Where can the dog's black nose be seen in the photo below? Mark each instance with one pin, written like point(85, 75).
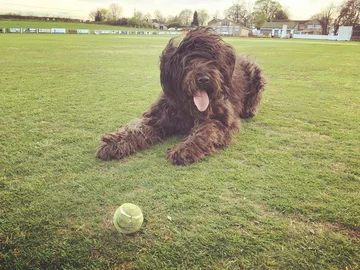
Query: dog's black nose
point(203, 80)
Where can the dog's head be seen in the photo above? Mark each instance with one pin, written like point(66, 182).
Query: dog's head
point(197, 70)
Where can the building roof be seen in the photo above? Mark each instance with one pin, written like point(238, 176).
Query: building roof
point(301, 21)
point(215, 20)
point(290, 24)
point(227, 20)
point(306, 21)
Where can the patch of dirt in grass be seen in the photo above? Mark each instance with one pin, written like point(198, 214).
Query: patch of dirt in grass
point(316, 227)
point(124, 266)
point(228, 263)
point(317, 136)
point(232, 195)
point(338, 167)
point(312, 227)
point(338, 228)
point(265, 212)
point(109, 210)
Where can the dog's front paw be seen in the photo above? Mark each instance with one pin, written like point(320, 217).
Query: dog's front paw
point(248, 114)
point(109, 152)
point(113, 147)
point(182, 155)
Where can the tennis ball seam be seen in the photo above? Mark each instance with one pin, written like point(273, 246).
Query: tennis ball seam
point(122, 211)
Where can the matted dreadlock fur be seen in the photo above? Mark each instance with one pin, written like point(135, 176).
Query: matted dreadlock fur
point(206, 87)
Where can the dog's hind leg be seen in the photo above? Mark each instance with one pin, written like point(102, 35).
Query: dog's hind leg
point(253, 89)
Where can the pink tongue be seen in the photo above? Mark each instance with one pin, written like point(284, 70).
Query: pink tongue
point(201, 100)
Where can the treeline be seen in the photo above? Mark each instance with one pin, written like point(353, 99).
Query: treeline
point(247, 13)
point(333, 16)
point(36, 18)
point(244, 12)
point(130, 22)
point(113, 16)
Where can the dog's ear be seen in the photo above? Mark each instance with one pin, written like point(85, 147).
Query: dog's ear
point(170, 75)
point(226, 59)
point(166, 66)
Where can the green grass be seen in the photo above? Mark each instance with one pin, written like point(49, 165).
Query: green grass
point(284, 195)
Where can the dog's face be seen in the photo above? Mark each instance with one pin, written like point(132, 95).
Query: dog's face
point(202, 82)
point(198, 70)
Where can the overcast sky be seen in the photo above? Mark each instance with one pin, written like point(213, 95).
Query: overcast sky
point(298, 9)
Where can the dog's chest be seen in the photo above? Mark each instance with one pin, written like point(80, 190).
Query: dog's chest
point(184, 125)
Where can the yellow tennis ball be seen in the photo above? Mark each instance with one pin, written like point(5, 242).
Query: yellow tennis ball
point(128, 218)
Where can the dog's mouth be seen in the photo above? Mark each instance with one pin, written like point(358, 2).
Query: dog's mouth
point(201, 100)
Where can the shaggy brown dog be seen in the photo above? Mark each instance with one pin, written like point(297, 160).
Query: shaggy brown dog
point(206, 90)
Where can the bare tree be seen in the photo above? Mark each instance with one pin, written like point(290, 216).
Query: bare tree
point(159, 16)
point(92, 15)
point(259, 19)
point(138, 15)
point(325, 18)
point(217, 14)
point(114, 12)
point(268, 7)
point(281, 15)
point(240, 12)
point(349, 15)
point(147, 16)
point(185, 17)
point(99, 15)
point(203, 16)
point(235, 12)
point(173, 21)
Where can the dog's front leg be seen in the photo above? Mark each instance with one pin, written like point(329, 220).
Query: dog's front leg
point(205, 139)
point(138, 135)
point(135, 136)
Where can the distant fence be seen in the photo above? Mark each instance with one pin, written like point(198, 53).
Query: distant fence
point(320, 37)
point(356, 33)
point(18, 30)
point(345, 33)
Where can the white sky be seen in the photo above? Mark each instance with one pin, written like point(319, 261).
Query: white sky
point(80, 9)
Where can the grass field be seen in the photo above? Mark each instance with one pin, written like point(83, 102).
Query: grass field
point(284, 195)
